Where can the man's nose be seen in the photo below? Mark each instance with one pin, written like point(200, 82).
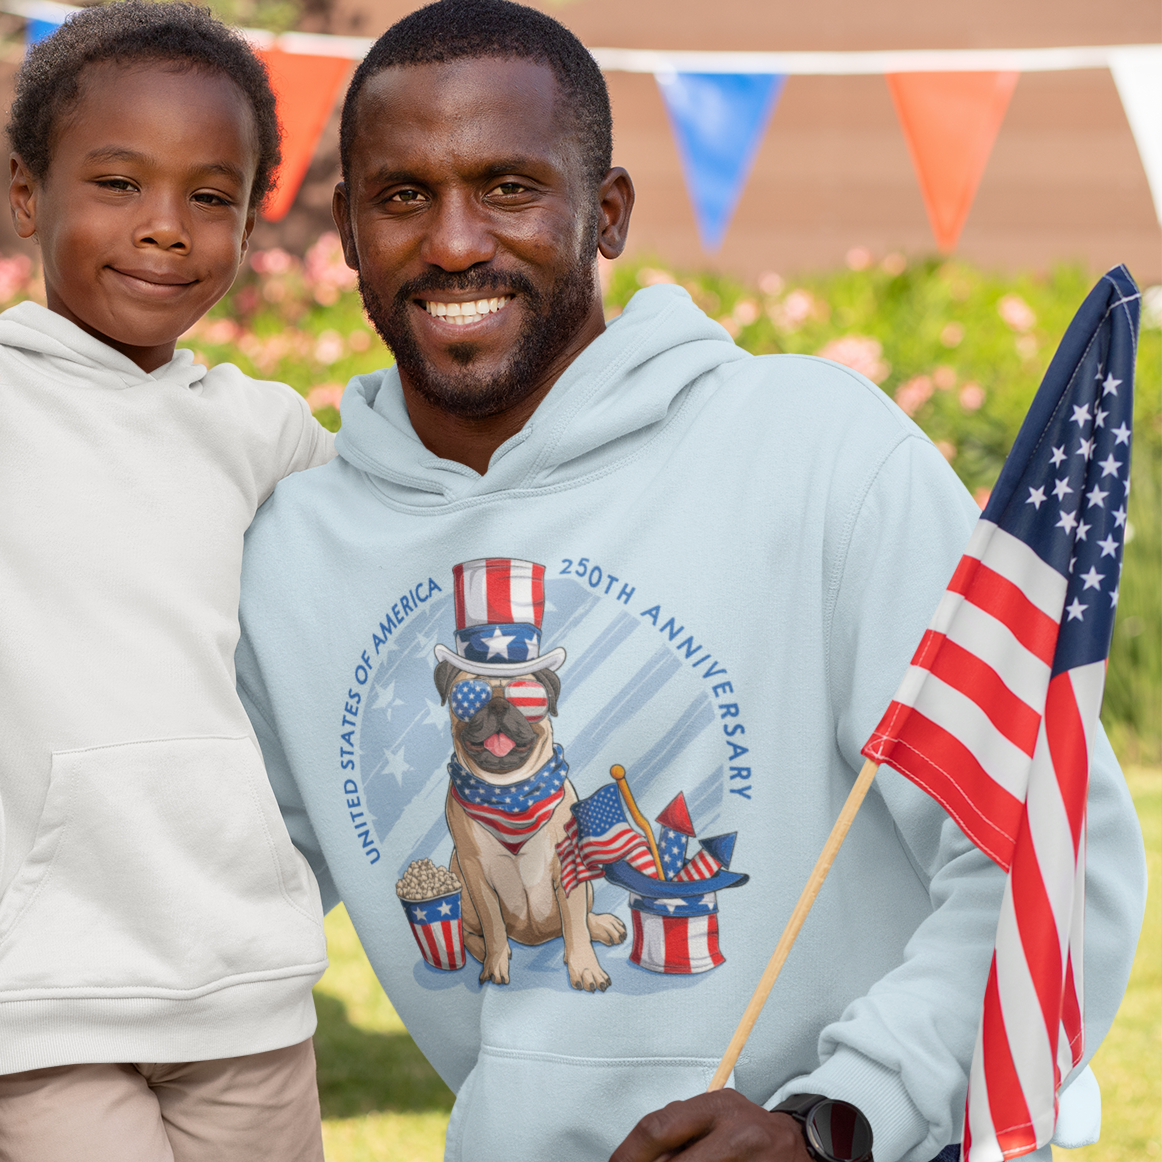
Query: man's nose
point(459, 235)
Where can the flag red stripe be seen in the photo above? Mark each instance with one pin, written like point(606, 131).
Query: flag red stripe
point(964, 671)
point(1040, 942)
point(1000, 598)
point(1007, 1109)
point(1071, 1014)
point(939, 763)
point(1068, 749)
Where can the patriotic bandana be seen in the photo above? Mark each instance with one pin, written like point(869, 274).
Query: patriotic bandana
point(514, 814)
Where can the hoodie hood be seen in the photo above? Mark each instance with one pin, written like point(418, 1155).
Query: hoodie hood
point(617, 394)
point(68, 352)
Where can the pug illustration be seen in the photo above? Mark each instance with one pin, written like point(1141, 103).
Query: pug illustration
point(509, 795)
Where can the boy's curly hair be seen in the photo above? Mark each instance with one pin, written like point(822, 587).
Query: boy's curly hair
point(128, 32)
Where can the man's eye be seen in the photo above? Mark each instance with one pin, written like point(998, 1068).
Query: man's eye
point(508, 189)
point(408, 197)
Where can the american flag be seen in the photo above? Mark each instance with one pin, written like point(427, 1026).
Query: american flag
point(996, 715)
point(599, 834)
point(513, 813)
point(701, 867)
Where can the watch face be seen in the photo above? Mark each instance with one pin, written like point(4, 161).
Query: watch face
point(838, 1132)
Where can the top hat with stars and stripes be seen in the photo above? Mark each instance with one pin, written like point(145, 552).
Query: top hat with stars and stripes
point(499, 605)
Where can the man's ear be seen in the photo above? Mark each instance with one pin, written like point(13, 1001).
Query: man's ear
point(616, 197)
point(341, 212)
point(23, 190)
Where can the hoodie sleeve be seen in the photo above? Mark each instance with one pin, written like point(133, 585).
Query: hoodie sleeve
point(286, 792)
point(902, 1052)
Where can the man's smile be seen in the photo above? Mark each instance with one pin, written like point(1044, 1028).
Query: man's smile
point(462, 314)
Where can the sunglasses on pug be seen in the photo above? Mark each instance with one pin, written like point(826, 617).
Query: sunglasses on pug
point(525, 694)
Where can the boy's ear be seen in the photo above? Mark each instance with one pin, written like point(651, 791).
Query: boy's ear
point(247, 230)
point(22, 196)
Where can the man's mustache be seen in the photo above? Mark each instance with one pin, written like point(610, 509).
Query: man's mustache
point(494, 282)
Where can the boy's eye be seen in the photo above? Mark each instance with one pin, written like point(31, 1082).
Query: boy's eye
point(116, 184)
point(205, 198)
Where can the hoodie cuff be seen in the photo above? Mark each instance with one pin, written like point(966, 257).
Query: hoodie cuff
point(897, 1125)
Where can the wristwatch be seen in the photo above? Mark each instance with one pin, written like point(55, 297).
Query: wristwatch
point(835, 1131)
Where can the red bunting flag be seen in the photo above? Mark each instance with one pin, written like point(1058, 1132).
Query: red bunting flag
point(306, 87)
point(950, 121)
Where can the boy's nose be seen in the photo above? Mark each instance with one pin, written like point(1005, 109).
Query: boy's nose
point(164, 225)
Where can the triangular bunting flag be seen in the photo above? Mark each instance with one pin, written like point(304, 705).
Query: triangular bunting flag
point(950, 121)
point(306, 87)
point(1138, 75)
point(718, 121)
point(676, 816)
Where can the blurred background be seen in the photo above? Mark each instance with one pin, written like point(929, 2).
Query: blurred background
point(935, 233)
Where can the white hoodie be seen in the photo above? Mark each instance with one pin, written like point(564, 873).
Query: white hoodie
point(152, 907)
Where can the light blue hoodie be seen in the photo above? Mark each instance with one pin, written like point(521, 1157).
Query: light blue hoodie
point(740, 556)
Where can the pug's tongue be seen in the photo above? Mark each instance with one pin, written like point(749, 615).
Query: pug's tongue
point(499, 744)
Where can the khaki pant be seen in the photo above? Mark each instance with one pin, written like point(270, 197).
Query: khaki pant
point(260, 1108)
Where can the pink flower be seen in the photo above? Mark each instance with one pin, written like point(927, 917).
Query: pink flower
point(946, 449)
point(745, 312)
point(326, 395)
point(793, 311)
point(327, 270)
point(945, 377)
point(650, 276)
point(771, 284)
point(14, 273)
point(914, 394)
point(1016, 312)
point(861, 353)
point(276, 261)
point(859, 258)
point(220, 331)
point(329, 348)
point(894, 263)
point(952, 335)
point(972, 397)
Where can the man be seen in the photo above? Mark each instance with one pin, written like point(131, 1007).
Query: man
point(552, 550)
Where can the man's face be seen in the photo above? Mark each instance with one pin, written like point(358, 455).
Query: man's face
point(474, 227)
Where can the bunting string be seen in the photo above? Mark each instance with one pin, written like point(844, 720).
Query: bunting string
point(950, 104)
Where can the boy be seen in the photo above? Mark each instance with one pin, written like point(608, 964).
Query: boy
point(159, 935)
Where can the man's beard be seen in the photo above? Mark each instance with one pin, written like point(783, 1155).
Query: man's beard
point(552, 320)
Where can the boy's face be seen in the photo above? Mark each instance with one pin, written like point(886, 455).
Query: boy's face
point(143, 215)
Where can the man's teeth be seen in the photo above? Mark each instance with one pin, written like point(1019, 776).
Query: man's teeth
point(463, 313)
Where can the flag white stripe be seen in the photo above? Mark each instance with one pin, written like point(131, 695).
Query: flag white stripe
point(475, 594)
point(1052, 837)
point(521, 592)
point(994, 643)
point(1016, 562)
point(1006, 764)
point(985, 1147)
point(1024, 1024)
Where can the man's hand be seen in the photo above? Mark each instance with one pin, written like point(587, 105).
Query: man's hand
point(714, 1127)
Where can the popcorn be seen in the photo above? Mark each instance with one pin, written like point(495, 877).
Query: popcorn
point(424, 881)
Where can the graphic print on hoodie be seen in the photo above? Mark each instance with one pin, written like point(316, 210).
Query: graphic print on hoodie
point(530, 842)
point(739, 556)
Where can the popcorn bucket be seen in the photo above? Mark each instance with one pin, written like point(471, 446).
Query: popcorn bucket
point(436, 925)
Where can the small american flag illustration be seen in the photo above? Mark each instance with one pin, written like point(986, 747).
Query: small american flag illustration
point(599, 834)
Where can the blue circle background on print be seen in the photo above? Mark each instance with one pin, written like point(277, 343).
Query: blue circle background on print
point(625, 698)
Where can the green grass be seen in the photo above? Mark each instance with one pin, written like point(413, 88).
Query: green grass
point(382, 1102)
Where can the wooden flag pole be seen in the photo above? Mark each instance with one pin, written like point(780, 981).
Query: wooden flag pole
point(618, 773)
point(775, 964)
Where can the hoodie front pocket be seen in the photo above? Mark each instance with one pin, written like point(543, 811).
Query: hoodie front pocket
point(580, 1108)
point(159, 865)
